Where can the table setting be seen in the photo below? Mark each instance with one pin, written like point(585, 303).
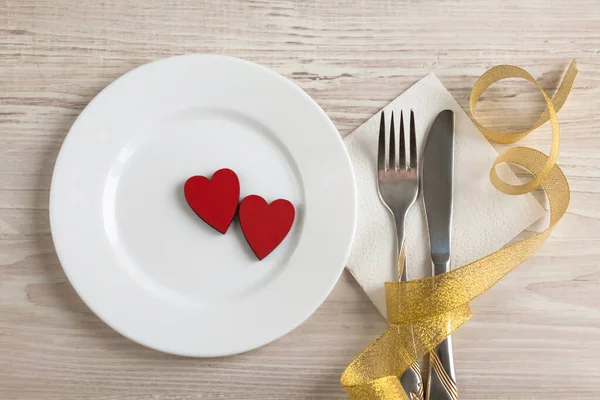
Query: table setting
point(416, 331)
point(210, 224)
point(168, 137)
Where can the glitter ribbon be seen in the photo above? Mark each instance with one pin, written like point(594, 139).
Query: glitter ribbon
point(422, 313)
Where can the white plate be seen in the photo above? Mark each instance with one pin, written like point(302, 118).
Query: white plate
point(138, 255)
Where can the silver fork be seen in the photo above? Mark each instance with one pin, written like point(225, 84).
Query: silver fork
point(398, 186)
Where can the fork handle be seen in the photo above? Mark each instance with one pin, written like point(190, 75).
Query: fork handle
point(399, 219)
point(411, 379)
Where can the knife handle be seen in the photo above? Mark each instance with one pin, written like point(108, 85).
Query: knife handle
point(441, 384)
point(440, 267)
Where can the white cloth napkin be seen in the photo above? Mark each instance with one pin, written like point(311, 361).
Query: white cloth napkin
point(484, 219)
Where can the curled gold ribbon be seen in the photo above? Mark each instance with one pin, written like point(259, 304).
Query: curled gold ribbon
point(422, 313)
point(514, 155)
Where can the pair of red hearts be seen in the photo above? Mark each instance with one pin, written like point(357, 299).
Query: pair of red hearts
point(216, 200)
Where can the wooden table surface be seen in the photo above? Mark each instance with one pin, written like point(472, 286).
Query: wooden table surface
point(535, 335)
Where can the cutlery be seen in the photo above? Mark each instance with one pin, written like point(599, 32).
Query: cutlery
point(398, 186)
point(438, 166)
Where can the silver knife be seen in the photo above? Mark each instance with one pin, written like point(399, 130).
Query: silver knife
point(438, 168)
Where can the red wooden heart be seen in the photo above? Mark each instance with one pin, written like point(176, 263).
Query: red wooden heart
point(214, 200)
point(265, 225)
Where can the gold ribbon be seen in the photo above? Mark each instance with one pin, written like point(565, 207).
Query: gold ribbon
point(424, 312)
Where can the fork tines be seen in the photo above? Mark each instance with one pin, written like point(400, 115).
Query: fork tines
point(401, 163)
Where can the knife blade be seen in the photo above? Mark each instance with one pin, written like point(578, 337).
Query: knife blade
point(438, 171)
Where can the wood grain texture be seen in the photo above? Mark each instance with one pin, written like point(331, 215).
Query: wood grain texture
point(535, 335)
